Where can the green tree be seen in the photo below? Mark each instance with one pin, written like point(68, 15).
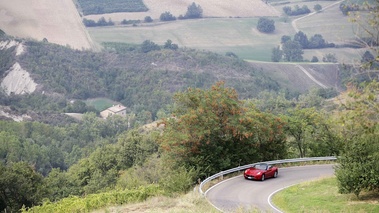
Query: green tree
point(148, 19)
point(358, 168)
point(167, 16)
point(212, 131)
point(20, 186)
point(302, 39)
point(277, 54)
point(292, 51)
point(317, 7)
point(329, 57)
point(170, 45)
point(266, 25)
point(194, 11)
point(314, 59)
point(310, 133)
point(285, 38)
point(148, 46)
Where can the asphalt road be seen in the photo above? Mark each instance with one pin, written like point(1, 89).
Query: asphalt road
point(237, 193)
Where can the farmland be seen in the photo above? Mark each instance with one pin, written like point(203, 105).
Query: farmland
point(239, 35)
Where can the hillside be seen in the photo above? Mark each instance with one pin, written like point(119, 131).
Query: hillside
point(57, 21)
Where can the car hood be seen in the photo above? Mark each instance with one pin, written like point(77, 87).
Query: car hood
point(253, 171)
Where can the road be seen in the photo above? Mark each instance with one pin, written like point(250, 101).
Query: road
point(237, 193)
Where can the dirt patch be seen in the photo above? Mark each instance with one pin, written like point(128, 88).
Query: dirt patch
point(18, 81)
point(211, 8)
point(57, 21)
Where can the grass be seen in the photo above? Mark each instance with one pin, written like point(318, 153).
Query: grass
point(100, 103)
point(237, 35)
point(322, 196)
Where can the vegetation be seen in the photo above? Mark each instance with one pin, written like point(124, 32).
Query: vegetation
point(100, 23)
point(358, 170)
point(167, 16)
point(266, 25)
point(322, 196)
point(89, 7)
point(296, 10)
point(194, 11)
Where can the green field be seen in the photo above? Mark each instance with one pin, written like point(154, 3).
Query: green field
point(100, 104)
point(238, 35)
point(322, 196)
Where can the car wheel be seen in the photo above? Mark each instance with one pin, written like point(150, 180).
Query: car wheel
point(263, 177)
point(276, 174)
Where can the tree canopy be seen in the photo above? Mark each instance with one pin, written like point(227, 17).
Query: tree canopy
point(213, 131)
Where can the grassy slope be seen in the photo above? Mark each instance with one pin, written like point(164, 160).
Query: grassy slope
point(322, 196)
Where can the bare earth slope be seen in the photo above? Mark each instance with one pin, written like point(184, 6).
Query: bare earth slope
point(56, 20)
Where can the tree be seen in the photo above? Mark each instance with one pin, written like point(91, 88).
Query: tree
point(277, 54)
point(167, 16)
point(266, 25)
point(292, 51)
point(311, 133)
point(148, 19)
point(148, 46)
point(212, 131)
point(170, 45)
point(302, 39)
point(194, 11)
point(317, 7)
point(316, 41)
point(285, 38)
point(20, 186)
point(358, 167)
point(329, 57)
point(314, 59)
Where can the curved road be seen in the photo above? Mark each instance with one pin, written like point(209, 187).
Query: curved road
point(237, 193)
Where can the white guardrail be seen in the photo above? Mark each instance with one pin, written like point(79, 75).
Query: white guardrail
point(295, 160)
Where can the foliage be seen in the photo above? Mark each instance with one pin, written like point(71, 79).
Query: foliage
point(133, 22)
point(97, 201)
point(277, 54)
point(358, 169)
point(329, 57)
point(89, 7)
point(212, 123)
point(314, 59)
point(148, 19)
point(167, 16)
point(20, 186)
point(302, 39)
point(170, 45)
point(296, 10)
point(292, 51)
point(148, 46)
point(317, 7)
point(193, 11)
point(266, 25)
point(101, 22)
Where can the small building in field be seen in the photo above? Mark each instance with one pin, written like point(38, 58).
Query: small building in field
point(113, 110)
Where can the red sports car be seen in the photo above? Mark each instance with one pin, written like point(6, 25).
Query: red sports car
point(261, 171)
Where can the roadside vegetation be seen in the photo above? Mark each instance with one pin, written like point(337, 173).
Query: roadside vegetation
point(323, 196)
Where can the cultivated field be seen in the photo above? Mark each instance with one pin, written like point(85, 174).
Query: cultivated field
point(211, 8)
point(57, 21)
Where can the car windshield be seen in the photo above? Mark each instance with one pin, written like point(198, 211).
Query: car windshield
point(261, 166)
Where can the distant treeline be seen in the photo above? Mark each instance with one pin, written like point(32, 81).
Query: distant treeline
point(89, 7)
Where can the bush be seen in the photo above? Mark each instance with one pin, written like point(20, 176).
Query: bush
point(266, 25)
point(148, 46)
point(148, 19)
point(167, 16)
point(314, 59)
